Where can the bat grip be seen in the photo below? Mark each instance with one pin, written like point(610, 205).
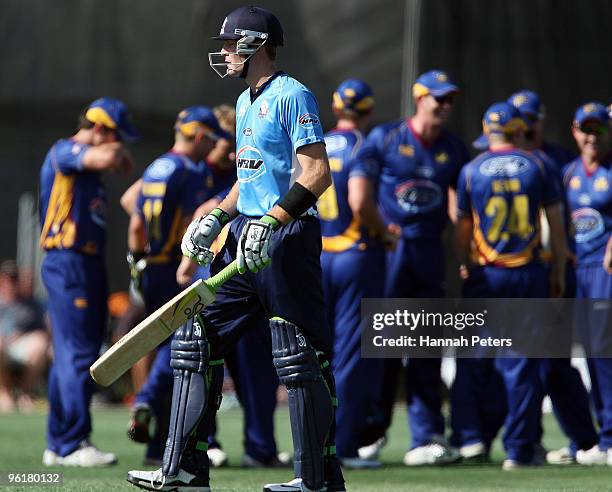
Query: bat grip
point(223, 276)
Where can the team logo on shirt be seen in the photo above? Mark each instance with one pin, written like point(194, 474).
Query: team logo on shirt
point(335, 143)
point(511, 165)
point(418, 196)
point(406, 150)
point(97, 211)
point(309, 121)
point(249, 164)
point(441, 157)
point(263, 109)
point(588, 224)
point(601, 184)
point(575, 183)
point(161, 168)
point(584, 199)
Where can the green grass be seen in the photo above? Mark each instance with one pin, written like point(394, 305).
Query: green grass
point(22, 442)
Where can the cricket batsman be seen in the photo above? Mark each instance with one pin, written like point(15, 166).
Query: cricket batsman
point(274, 235)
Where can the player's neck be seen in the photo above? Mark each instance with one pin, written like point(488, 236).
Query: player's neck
point(347, 124)
point(259, 73)
point(184, 148)
point(425, 129)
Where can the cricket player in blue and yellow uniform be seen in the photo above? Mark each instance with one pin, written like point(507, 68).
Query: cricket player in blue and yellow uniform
point(562, 381)
point(73, 218)
point(353, 264)
point(499, 196)
point(275, 239)
point(588, 189)
point(172, 188)
point(418, 161)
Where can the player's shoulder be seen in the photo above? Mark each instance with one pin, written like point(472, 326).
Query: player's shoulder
point(67, 147)
point(341, 140)
point(165, 167)
point(572, 168)
point(386, 132)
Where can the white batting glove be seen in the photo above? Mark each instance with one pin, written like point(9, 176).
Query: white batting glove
point(200, 235)
point(255, 243)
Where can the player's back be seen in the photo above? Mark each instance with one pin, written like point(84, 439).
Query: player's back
point(72, 201)
point(340, 230)
point(504, 191)
point(172, 188)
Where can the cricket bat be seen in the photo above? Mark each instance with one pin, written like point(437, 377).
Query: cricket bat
point(158, 326)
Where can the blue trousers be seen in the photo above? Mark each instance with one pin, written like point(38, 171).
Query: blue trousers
point(77, 289)
point(594, 283)
point(415, 269)
point(347, 278)
point(159, 286)
point(484, 388)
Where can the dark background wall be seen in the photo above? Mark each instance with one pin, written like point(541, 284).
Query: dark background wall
point(55, 57)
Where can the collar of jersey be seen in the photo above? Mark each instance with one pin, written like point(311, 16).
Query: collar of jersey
point(259, 91)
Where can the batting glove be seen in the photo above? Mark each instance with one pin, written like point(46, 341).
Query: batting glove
point(200, 235)
point(254, 244)
point(137, 263)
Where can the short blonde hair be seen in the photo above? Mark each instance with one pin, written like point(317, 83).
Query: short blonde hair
point(226, 114)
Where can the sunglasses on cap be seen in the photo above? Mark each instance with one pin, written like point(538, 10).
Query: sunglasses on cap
point(593, 128)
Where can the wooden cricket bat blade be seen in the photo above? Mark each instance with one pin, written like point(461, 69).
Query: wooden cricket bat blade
point(150, 332)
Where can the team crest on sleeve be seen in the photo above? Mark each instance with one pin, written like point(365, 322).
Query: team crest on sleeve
point(249, 164)
point(309, 121)
point(161, 168)
point(76, 148)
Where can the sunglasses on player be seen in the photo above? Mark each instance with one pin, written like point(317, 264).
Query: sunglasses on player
point(446, 98)
point(593, 129)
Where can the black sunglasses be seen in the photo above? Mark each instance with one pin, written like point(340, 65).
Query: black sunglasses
point(447, 98)
point(591, 129)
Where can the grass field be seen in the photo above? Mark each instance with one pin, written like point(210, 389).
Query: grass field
point(22, 442)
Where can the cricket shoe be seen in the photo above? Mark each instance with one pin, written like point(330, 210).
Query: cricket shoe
point(372, 451)
point(474, 453)
point(217, 457)
point(155, 480)
point(593, 456)
point(539, 459)
point(138, 427)
point(87, 455)
point(281, 460)
point(49, 458)
point(561, 456)
point(436, 452)
point(294, 485)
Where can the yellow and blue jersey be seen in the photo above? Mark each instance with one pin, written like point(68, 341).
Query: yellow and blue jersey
point(413, 176)
point(72, 201)
point(340, 230)
point(589, 201)
point(503, 192)
point(173, 186)
point(271, 125)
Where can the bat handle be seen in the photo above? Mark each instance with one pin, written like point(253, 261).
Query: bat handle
point(223, 276)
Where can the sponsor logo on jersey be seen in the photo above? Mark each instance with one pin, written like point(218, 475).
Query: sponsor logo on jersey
point(601, 184)
point(76, 148)
point(588, 224)
point(425, 171)
point(584, 199)
point(418, 196)
point(406, 150)
point(161, 168)
point(335, 143)
point(309, 120)
point(511, 165)
point(575, 183)
point(441, 157)
point(263, 109)
point(249, 164)
point(247, 132)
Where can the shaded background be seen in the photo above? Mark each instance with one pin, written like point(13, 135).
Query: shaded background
point(55, 57)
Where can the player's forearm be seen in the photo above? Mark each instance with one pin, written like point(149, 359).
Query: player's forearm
point(463, 238)
point(136, 234)
point(554, 216)
point(364, 208)
point(230, 202)
point(129, 199)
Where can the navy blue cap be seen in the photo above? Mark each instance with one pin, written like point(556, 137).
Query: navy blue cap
point(591, 111)
point(500, 117)
point(191, 119)
point(354, 95)
point(435, 82)
point(528, 103)
point(251, 18)
point(113, 114)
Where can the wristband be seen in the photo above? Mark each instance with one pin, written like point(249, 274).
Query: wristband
point(134, 257)
point(221, 216)
point(298, 200)
point(273, 221)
